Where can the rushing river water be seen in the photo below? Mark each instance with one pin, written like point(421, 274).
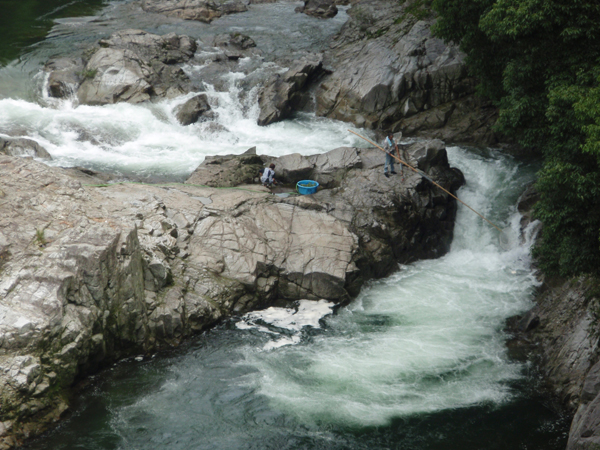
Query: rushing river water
point(417, 361)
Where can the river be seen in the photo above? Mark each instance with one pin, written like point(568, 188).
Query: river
point(417, 361)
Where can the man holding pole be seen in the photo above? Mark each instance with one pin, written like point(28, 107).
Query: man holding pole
point(389, 144)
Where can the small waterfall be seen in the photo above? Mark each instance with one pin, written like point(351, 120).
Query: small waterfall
point(418, 360)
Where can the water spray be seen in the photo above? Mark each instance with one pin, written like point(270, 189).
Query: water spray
point(421, 173)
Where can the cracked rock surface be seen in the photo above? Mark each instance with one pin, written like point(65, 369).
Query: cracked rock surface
point(90, 273)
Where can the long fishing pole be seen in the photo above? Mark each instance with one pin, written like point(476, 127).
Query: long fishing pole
point(417, 171)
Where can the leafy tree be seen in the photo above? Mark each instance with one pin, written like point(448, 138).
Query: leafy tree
point(539, 60)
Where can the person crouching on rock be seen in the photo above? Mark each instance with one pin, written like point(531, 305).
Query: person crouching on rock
point(268, 176)
point(390, 146)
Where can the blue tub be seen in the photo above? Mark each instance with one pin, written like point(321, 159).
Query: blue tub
point(306, 187)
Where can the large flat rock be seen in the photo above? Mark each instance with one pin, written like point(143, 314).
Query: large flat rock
point(93, 272)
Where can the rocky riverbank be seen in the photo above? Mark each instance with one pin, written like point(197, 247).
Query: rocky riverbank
point(560, 334)
point(384, 70)
point(93, 272)
point(387, 70)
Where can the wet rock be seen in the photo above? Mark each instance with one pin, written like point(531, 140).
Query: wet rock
point(228, 170)
point(92, 273)
point(318, 8)
point(236, 45)
point(388, 71)
point(284, 93)
point(192, 110)
point(66, 74)
point(201, 10)
point(237, 40)
point(131, 66)
point(560, 332)
point(565, 346)
point(23, 147)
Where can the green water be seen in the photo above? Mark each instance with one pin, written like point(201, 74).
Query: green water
point(24, 23)
point(417, 362)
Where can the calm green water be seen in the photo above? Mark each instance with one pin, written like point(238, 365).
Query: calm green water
point(25, 22)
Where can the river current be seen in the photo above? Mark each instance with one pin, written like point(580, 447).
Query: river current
point(418, 361)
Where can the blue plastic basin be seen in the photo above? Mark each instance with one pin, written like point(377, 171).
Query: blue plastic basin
point(306, 187)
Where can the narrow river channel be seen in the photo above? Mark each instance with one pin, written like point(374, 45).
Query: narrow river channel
point(418, 361)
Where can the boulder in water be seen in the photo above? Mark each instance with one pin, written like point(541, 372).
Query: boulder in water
point(319, 8)
point(23, 147)
point(131, 66)
point(285, 93)
point(236, 45)
point(201, 10)
point(192, 110)
point(65, 76)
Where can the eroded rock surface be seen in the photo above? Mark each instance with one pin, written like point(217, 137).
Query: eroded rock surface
point(90, 274)
point(286, 93)
point(394, 220)
point(131, 66)
point(390, 72)
point(23, 147)
point(319, 8)
point(201, 10)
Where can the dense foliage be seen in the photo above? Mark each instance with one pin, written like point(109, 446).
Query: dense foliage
point(539, 60)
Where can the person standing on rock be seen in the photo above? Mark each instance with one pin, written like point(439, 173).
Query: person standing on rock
point(389, 144)
point(268, 176)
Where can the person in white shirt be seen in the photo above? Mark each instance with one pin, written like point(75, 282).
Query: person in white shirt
point(268, 176)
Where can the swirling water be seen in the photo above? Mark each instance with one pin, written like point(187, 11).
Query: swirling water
point(417, 361)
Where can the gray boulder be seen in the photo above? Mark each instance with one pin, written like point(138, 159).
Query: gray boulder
point(192, 110)
point(201, 10)
point(23, 147)
point(236, 45)
point(131, 66)
point(286, 93)
point(116, 75)
point(66, 74)
point(227, 170)
point(388, 71)
point(319, 8)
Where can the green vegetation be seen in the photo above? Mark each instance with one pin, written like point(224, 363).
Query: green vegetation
point(363, 17)
point(40, 239)
point(539, 61)
point(419, 9)
point(88, 73)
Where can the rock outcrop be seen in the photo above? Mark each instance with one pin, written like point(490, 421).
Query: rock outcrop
point(23, 147)
point(388, 71)
point(318, 8)
point(192, 110)
point(90, 274)
point(131, 66)
point(201, 10)
point(561, 333)
point(286, 93)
